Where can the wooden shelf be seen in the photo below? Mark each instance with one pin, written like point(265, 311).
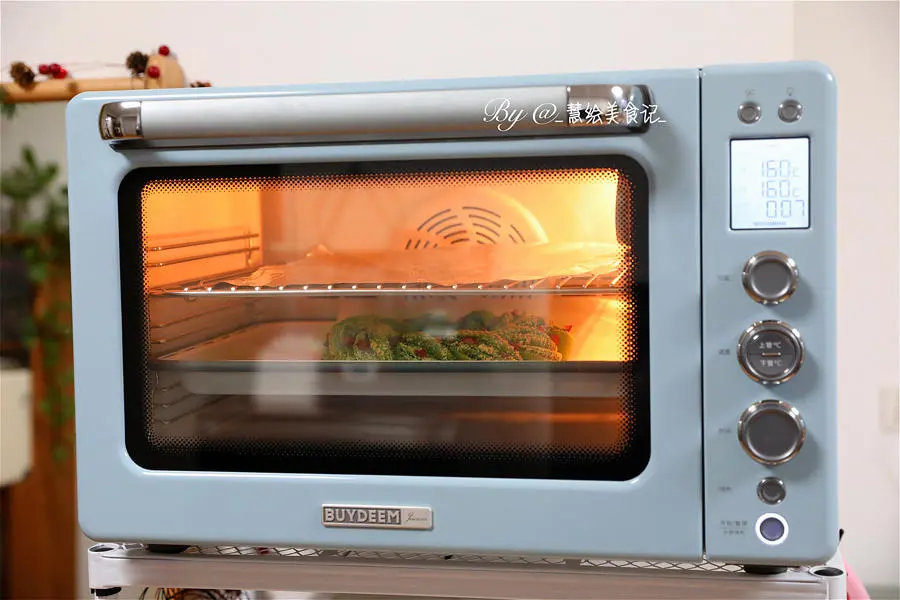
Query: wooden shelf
point(57, 90)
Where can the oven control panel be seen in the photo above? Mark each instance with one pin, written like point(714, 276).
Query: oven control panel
point(768, 239)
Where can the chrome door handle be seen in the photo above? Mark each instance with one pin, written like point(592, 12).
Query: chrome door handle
point(441, 114)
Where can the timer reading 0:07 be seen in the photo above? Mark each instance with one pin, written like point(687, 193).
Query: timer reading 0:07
point(778, 188)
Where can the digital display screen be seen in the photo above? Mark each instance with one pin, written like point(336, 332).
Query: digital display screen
point(770, 184)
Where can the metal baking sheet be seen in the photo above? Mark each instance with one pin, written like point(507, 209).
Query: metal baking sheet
point(275, 341)
point(282, 358)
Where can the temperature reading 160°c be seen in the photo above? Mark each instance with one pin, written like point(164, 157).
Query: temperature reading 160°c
point(783, 188)
point(770, 183)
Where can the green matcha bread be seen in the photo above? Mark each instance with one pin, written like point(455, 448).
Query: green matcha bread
point(364, 337)
point(519, 319)
point(531, 343)
point(434, 324)
point(419, 346)
point(562, 337)
point(478, 320)
point(479, 345)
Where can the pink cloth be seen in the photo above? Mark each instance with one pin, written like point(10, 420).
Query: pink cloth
point(855, 589)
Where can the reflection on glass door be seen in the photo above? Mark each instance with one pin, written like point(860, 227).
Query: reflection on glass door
point(481, 318)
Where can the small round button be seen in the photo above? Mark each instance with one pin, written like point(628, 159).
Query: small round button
point(771, 529)
point(771, 490)
point(749, 112)
point(770, 277)
point(771, 432)
point(770, 352)
point(790, 111)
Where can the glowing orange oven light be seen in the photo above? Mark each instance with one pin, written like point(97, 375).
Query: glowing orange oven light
point(352, 223)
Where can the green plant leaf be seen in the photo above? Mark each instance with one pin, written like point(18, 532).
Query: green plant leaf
point(68, 411)
point(37, 272)
point(28, 157)
point(46, 175)
point(8, 109)
point(51, 353)
point(28, 327)
point(38, 214)
point(28, 182)
point(29, 333)
point(60, 453)
point(60, 418)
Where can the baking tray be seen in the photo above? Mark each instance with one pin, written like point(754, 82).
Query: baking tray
point(251, 347)
point(282, 358)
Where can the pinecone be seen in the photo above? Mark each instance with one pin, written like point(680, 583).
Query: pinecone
point(137, 62)
point(21, 74)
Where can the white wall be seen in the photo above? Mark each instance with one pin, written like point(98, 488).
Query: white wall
point(859, 41)
point(316, 42)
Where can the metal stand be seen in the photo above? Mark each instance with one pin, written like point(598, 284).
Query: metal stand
point(327, 572)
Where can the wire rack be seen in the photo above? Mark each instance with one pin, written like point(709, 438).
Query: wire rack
point(353, 573)
point(247, 245)
point(587, 283)
point(704, 566)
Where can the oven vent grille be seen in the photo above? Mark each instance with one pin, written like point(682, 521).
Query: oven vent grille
point(481, 216)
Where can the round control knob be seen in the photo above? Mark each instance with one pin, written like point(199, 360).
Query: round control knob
point(770, 277)
point(771, 432)
point(771, 490)
point(770, 352)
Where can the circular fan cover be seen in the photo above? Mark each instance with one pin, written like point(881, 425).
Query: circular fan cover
point(479, 216)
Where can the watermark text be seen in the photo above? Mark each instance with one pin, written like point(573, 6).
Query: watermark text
point(507, 115)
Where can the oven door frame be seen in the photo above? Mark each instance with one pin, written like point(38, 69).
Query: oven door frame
point(657, 514)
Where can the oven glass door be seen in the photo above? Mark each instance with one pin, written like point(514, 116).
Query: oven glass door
point(462, 318)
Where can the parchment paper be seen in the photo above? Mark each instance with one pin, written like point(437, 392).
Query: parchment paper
point(462, 264)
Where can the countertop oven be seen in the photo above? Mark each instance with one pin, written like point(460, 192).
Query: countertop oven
point(567, 315)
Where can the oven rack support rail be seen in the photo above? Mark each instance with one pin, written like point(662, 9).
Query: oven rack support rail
point(326, 574)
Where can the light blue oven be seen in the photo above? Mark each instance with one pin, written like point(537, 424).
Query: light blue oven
point(567, 315)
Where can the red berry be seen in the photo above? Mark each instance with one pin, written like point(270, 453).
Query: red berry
point(54, 68)
point(153, 71)
point(44, 69)
point(164, 50)
point(61, 74)
point(421, 353)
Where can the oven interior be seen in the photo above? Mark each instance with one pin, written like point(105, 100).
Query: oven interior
point(470, 318)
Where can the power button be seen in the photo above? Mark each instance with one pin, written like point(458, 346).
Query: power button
point(790, 111)
point(749, 112)
point(771, 529)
